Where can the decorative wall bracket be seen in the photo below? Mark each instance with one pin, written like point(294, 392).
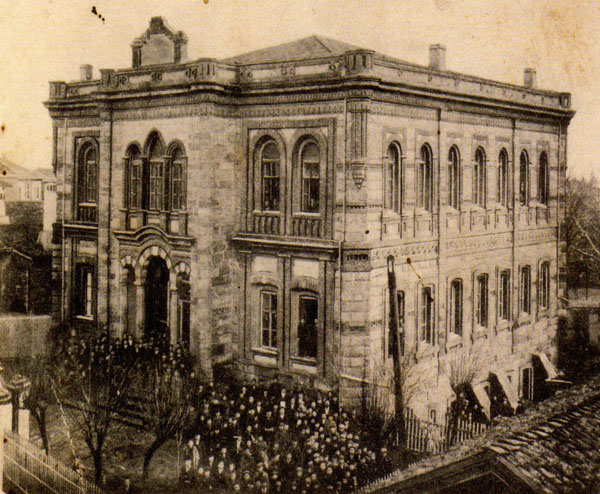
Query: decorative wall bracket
point(359, 174)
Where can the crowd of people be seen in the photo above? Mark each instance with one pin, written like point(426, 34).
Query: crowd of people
point(271, 440)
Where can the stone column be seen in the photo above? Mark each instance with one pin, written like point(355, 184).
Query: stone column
point(20, 386)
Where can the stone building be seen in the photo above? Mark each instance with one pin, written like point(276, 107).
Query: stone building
point(247, 206)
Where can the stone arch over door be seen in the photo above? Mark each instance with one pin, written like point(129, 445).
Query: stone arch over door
point(154, 294)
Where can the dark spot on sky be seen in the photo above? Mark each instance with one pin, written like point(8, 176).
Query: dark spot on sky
point(3, 128)
point(3, 172)
point(408, 261)
point(95, 12)
point(366, 232)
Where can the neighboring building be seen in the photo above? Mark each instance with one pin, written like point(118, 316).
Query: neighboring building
point(246, 207)
point(28, 198)
point(553, 448)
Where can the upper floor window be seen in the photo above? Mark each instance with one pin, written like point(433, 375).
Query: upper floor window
point(178, 169)
point(503, 178)
point(456, 307)
point(270, 168)
point(425, 179)
point(524, 179)
point(310, 163)
point(156, 176)
point(481, 301)
point(479, 179)
point(87, 182)
point(393, 180)
point(454, 178)
point(525, 290)
point(544, 283)
point(426, 325)
point(135, 166)
point(543, 182)
point(504, 296)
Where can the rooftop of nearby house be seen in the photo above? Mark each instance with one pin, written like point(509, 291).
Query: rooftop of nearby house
point(554, 446)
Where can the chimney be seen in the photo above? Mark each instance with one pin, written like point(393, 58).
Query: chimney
point(529, 78)
point(437, 57)
point(86, 72)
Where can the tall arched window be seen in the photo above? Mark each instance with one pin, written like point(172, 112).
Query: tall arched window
point(543, 179)
point(456, 307)
point(503, 178)
point(134, 175)
point(425, 179)
point(479, 182)
point(87, 182)
point(270, 170)
point(310, 163)
point(178, 169)
point(524, 179)
point(454, 178)
point(156, 176)
point(393, 179)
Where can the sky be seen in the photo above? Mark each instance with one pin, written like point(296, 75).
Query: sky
point(47, 40)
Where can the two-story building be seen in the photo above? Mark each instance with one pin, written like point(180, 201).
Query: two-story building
point(246, 207)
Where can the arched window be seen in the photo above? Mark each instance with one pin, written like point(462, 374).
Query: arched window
point(178, 169)
point(543, 179)
point(524, 179)
point(270, 170)
point(503, 178)
point(481, 300)
point(183, 309)
point(393, 179)
point(544, 284)
point(310, 164)
point(156, 176)
point(479, 178)
point(87, 182)
point(134, 174)
point(456, 307)
point(454, 178)
point(424, 179)
point(426, 320)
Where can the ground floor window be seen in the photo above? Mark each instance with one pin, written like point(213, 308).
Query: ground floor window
point(268, 310)
point(308, 317)
point(525, 290)
point(504, 296)
point(83, 293)
point(527, 383)
point(183, 309)
point(426, 315)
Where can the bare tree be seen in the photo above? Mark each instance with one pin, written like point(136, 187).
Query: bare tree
point(38, 370)
point(168, 402)
point(465, 366)
point(94, 378)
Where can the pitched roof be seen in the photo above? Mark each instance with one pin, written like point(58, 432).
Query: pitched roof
point(554, 446)
point(302, 49)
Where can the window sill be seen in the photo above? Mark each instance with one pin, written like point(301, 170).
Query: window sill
point(304, 214)
point(304, 365)
point(265, 356)
point(426, 351)
point(84, 318)
point(454, 340)
point(480, 332)
point(266, 212)
point(503, 325)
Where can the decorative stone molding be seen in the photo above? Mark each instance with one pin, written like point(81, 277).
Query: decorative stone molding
point(359, 174)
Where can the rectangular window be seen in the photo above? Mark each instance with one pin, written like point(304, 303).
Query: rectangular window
point(270, 185)
point(527, 384)
point(156, 185)
point(426, 315)
point(456, 307)
point(481, 309)
point(308, 317)
point(400, 305)
point(135, 196)
point(544, 283)
point(83, 293)
point(310, 187)
point(525, 290)
point(504, 296)
point(268, 310)
point(177, 191)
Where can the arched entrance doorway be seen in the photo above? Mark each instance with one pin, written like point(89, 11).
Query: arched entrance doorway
point(156, 300)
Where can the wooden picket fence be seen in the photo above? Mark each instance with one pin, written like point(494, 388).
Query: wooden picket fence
point(428, 437)
point(28, 470)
